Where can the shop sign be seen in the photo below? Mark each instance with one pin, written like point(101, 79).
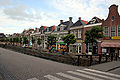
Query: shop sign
point(116, 37)
point(78, 40)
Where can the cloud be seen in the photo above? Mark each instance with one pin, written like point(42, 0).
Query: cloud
point(21, 13)
point(84, 8)
point(5, 2)
point(12, 21)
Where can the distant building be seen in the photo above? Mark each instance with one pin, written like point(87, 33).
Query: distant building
point(2, 35)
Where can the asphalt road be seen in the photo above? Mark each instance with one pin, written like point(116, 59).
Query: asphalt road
point(18, 66)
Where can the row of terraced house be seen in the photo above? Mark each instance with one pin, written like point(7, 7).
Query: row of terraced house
point(110, 43)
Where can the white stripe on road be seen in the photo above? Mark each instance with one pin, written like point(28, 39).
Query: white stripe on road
point(68, 76)
point(106, 73)
point(97, 75)
point(33, 79)
point(52, 77)
point(84, 75)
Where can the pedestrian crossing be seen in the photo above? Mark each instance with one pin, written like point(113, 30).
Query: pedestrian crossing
point(84, 74)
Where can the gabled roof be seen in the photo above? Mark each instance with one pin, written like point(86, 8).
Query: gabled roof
point(94, 20)
point(67, 24)
point(79, 23)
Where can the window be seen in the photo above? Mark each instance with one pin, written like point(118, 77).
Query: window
point(113, 31)
point(72, 32)
point(112, 18)
point(106, 31)
point(79, 33)
point(75, 33)
point(118, 30)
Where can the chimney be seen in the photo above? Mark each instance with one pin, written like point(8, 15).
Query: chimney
point(70, 19)
point(79, 18)
point(61, 21)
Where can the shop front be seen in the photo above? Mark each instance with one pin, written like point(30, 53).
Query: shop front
point(75, 48)
point(110, 47)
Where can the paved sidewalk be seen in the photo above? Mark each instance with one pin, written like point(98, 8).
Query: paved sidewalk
point(106, 66)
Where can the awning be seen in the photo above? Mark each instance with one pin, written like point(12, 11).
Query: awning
point(110, 44)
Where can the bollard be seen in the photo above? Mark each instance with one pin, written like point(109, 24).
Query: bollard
point(106, 58)
point(99, 59)
point(90, 60)
point(78, 60)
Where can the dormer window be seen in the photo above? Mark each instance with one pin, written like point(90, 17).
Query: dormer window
point(112, 18)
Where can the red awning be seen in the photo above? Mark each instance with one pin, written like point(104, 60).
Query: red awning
point(110, 44)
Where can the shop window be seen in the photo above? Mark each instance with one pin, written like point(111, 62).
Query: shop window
point(70, 48)
point(113, 31)
point(79, 33)
point(90, 47)
point(118, 30)
point(106, 31)
point(76, 49)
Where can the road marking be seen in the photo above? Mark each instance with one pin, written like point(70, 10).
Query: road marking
point(33, 79)
point(84, 75)
point(106, 73)
point(52, 77)
point(97, 75)
point(68, 76)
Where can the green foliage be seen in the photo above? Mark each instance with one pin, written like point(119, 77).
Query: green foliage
point(20, 41)
point(25, 40)
point(2, 40)
point(7, 39)
point(51, 39)
point(38, 41)
point(93, 34)
point(69, 39)
point(16, 39)
point(11, 40)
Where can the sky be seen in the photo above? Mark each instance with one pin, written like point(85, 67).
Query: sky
point(17, 15)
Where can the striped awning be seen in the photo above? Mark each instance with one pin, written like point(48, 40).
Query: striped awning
point(110, 44)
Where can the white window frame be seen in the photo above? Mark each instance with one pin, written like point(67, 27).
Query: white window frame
point(106, 34)
point(118, 30)
point(79, 33)
point(113, 32)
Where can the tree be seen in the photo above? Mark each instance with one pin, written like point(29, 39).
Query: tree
point(16, 39)
point(69, 39)
point(93, 35)
point(25, 40)
point(51, 39)
point(39, 41)
point(11, 40)
point(20, 40)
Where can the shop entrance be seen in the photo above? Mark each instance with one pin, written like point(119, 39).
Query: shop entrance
point(112, 50)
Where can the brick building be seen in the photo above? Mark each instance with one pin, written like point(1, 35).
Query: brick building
point(111, 42)
point(78, 29)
